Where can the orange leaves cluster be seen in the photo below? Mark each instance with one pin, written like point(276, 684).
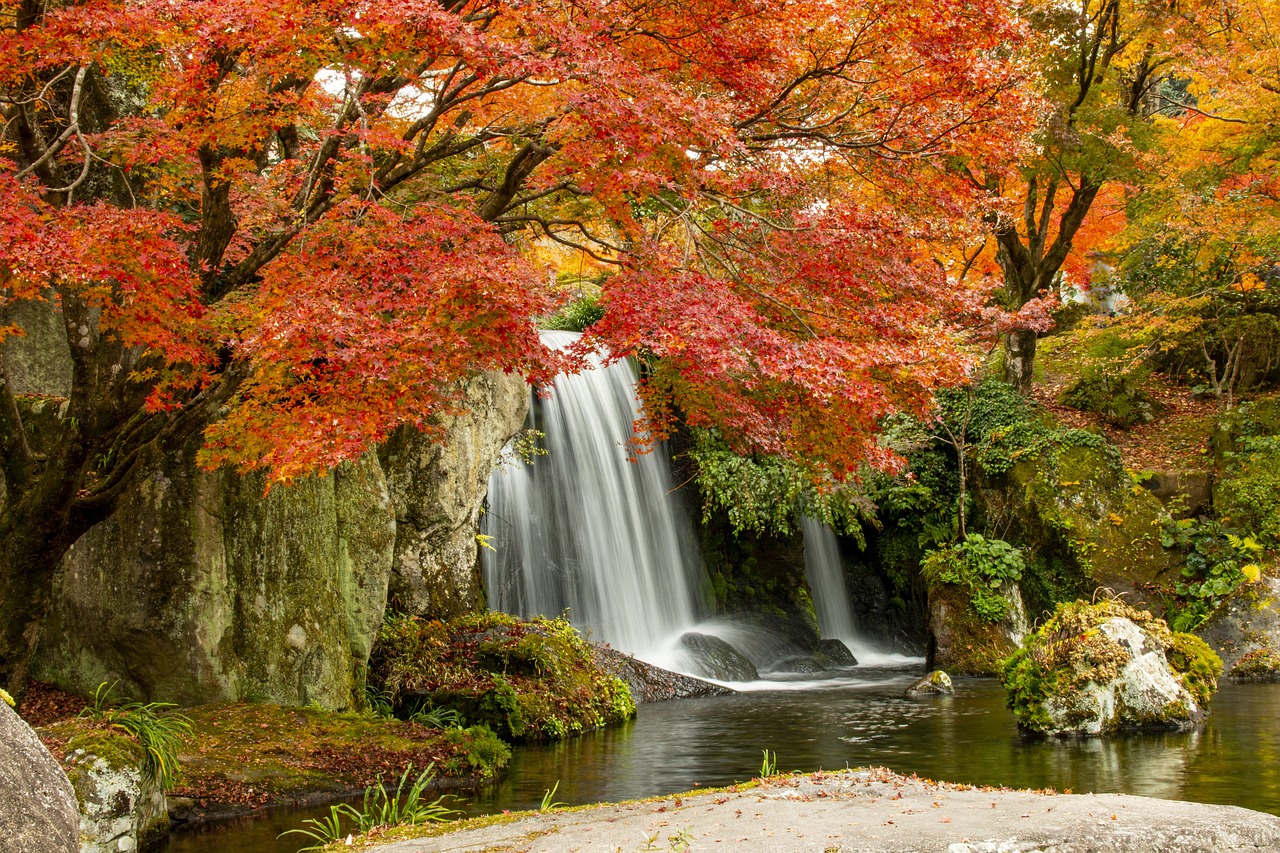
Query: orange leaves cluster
point(346, 198)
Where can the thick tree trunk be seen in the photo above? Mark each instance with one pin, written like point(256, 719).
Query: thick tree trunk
point(1020, 359)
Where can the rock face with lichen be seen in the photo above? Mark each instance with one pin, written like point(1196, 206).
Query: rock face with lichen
point(203, 587)
point(1097, 669)
point(121, 808)
point(37, 805)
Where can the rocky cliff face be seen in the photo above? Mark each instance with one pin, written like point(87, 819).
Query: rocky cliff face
point(204, 587)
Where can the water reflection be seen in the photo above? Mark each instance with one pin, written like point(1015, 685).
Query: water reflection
point(865, 720)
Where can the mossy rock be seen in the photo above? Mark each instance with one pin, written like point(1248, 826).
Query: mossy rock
point(528, 680)
point(1101, 668)
point(1257, 665)
point(960, 640)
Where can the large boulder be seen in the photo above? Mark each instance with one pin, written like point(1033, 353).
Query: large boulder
point(37, 804)
point(206, 587)
point(1096, 669)
point(438, 491)
point(712, 657)
point(976, 613)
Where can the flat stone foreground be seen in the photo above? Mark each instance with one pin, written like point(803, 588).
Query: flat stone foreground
point(872, 810)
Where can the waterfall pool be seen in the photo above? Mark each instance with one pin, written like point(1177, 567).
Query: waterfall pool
point(862, 719)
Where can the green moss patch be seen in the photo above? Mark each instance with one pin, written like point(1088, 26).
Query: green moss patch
point(249, 754)
point(527, 680)
point(1257, 665)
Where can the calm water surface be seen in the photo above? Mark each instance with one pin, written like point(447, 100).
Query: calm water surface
point(864, 720)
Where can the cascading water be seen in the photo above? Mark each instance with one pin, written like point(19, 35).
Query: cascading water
point(826, 580)
point(588, 530)
point(823, 570)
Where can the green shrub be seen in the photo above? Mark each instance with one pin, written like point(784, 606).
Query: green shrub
point(981, 566)
point(153, 725)
point(1249, 495)
point(1118, 397)
point(575, 316)
point(1218, 562)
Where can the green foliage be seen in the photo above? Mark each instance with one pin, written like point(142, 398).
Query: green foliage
point(1118, 397)
point(153, 725)
point(767, 494)
point(380, 808)
point(549, 799)
point(981, 566)
point(1248, 496)
point(575, 316)
point(1218, 562)
point(1004, 427)
point(529, 680)
point(485, 753)
point(769, 764)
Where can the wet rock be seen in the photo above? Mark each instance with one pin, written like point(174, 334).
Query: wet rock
point(1258, 665)
point(936, 682)
point(715, 658)
point(799, 663)
point(1107, 667)
point(835, 653)
point(37, 804)
point(1247, 625)
point(651, 683)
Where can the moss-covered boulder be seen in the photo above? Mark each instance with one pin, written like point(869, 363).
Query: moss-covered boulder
point(976, 614)
point(1087, 522)
point(122, 805)
point(528, 680)
point(1097, 669)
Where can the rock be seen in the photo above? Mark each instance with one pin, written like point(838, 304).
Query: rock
point(38, 811)
point(872, 811)
point(438, 489)
point(1247, 624)
point(201, 588)
point(1257, 665)
point(122, 808)
point(715, 658)
point(962, 641)
point(798, 663)
point(936, 682)
point(651, 683)
point(1107, 667)
point(834, 653)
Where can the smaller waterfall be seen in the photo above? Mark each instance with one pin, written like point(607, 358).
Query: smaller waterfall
point(586, 529)
point(825, 574)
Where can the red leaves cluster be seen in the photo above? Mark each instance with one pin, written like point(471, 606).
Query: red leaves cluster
point(345, 197)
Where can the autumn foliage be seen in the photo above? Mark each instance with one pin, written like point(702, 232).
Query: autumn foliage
point(338, 211)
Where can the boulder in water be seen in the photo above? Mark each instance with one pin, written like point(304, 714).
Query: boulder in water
point(936, 682)
point(835, 653)
point(1107, 667)
point(798, 663)
point(714, 658)
point(37, 805)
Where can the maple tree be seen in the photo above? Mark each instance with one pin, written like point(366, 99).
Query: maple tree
point(293, 227)
point(1111, 67)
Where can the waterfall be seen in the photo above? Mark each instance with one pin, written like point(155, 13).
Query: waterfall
point(586, 529)
point(826, 580)
point(825, 574)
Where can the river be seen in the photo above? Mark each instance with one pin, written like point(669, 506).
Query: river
point(859, 720)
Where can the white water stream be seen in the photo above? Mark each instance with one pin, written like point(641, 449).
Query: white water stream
point(585, 529)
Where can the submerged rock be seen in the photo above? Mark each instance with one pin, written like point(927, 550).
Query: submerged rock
point(936, 682)
point(1102, 668)
point(715, 658)
point(37, 804)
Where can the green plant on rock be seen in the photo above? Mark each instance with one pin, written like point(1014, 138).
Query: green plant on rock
point(1249, 493)
point(379, 809)
point(1218, 563)
point(153, 725)
point(530, 680)
point(981, 566)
